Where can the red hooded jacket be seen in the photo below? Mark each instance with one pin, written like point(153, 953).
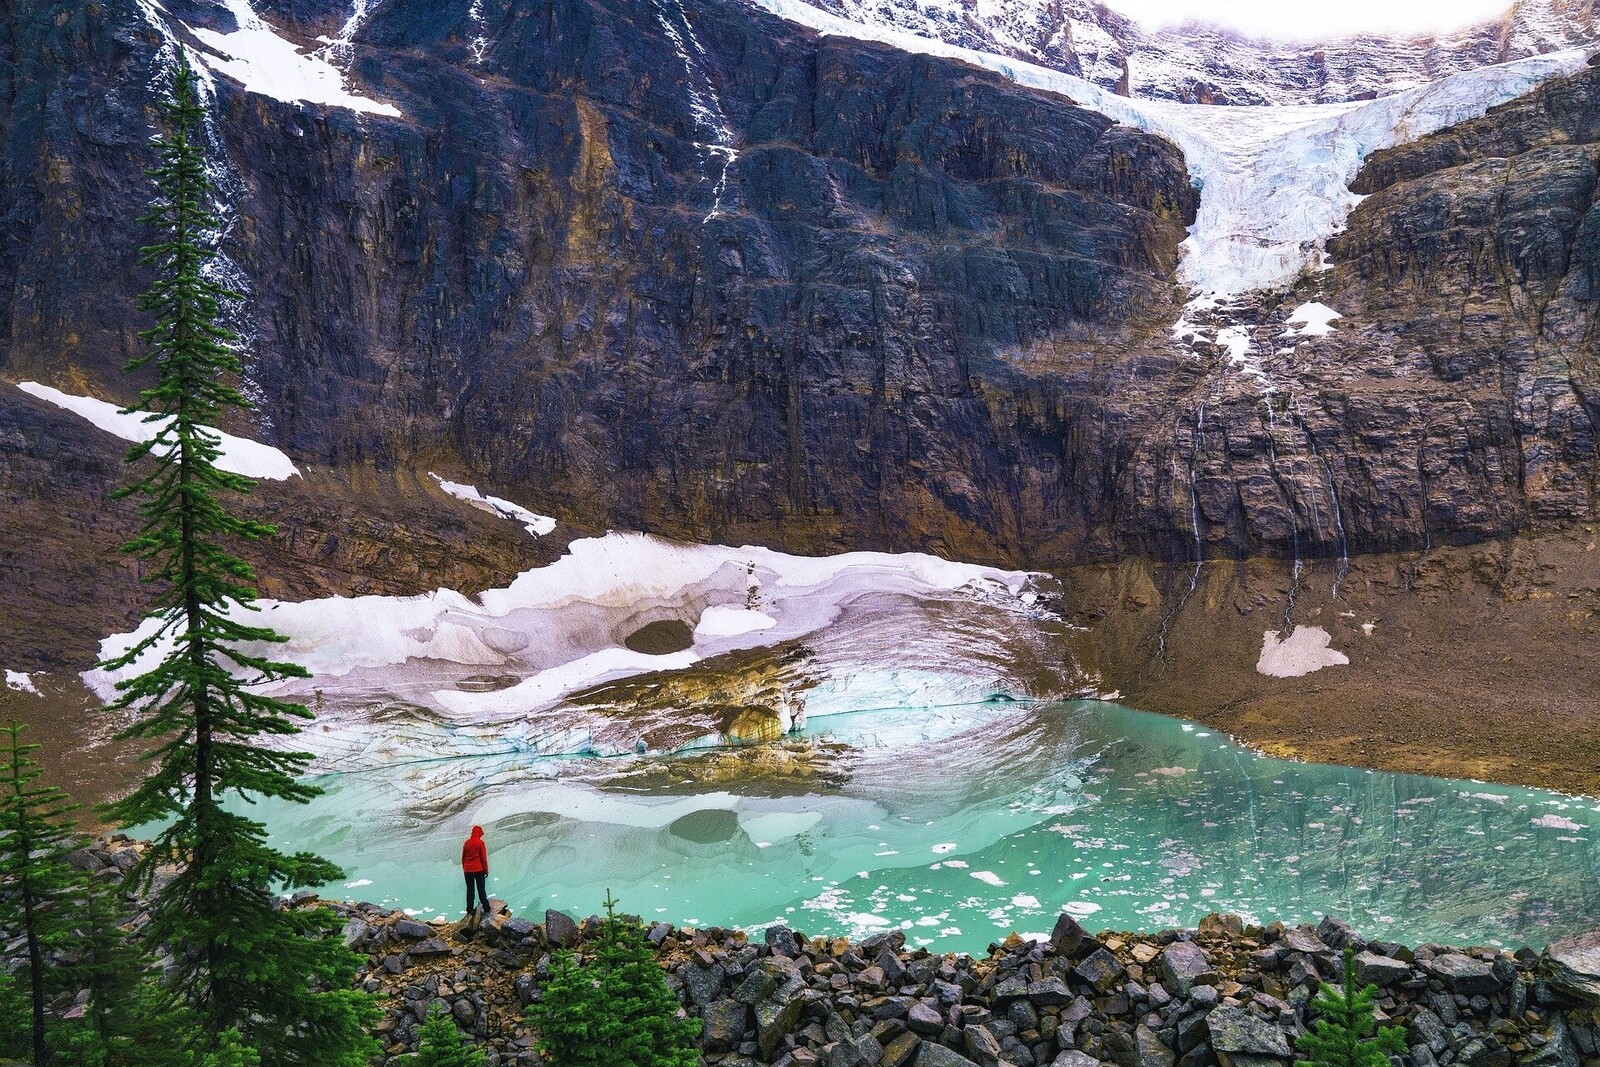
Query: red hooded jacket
point(474, 857)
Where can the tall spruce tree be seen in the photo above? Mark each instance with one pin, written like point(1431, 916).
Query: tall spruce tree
point(240, 960)
point(36, 882)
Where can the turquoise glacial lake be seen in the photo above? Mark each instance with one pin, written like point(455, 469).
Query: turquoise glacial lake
point(961, 824)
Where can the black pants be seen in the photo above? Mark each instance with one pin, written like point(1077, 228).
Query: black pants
point(475, 880)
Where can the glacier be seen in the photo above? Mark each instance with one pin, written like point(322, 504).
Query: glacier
point(514, 669)
point(1274, 180)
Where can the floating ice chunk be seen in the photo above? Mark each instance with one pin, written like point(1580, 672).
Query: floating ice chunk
point(1312, 320)
point(21, 682)
point(987, 877)
point(1080, 909)
point(720, 621)
point(1302, 652)
point(943, 849)
point(1023, 900)
point(239, 455)
point(358, 883)
point(960, 864)
point(263, 62)
point(1555, 822)
point(537, 525)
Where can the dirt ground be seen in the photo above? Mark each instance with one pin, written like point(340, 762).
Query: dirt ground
point(1479, 662)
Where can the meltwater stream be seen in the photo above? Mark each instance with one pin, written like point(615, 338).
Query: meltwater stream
point(961, 824)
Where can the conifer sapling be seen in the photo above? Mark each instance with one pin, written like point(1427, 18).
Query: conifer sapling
point(1347, 1016)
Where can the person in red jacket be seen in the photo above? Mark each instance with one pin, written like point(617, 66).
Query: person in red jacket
point(475, 866)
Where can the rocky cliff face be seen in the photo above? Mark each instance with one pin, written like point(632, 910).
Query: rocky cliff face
point(803, 290)
point(1206, 64)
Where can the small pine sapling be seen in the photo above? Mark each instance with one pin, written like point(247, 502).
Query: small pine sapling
point(1346, 1016)
point(617, 1011)
point(441, 1044)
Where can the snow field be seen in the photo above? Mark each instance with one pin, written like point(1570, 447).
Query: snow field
point(239, 455)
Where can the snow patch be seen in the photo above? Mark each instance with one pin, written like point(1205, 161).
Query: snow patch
point(21, 682)
point(1312, 320)
point(1302, 652)
point(719, 621)
point(239, 455)
point(265, 63)
point(537, 525)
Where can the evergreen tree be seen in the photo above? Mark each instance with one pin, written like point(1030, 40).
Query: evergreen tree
point(107, 967)
point(16, 1031)
point(1347, 1016)
point(615, 1012)
point(231, 1051)
point(239, 960)
point(441, 1045)
point(35, 877)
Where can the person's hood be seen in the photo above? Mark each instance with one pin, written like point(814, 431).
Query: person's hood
point(477, 832)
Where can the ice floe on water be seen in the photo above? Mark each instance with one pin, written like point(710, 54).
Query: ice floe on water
point(239, 455)
point(1304, 651)
point(536, 525)
point(258, 58)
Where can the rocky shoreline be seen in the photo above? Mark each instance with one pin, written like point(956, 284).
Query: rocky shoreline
point(1228, 993)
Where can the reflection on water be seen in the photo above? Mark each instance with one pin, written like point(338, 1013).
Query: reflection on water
point(960, 824)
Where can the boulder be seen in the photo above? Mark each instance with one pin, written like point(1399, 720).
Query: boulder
point(1149, 1049)
point(1379, 970)
point(1242, 1040)
point(931, 1055)
point(1465, 975)
point(722, 1025)
point(1179, 964)
point(1070, 939)
point(411, 930)
point(1558, 1050)
point(900, 1050)
point(1073, 1058)
point(924, 1019)
point(1571, 966)
point(777, 1015)
point(1101, 970)
point(783, 941)
point(560, 929)
point(1301, 939)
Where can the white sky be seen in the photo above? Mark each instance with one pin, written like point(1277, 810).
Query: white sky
point(1308, 19)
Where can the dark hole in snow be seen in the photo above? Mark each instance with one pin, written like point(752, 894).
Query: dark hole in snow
point(661, 638)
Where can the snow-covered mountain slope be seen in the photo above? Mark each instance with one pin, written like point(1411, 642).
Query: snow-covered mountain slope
point(1206, 64)
point(1275, 179)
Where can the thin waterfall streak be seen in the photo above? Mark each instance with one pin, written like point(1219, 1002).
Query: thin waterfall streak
point(1294, 526)
point(1333, 496)
point(711, 124)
